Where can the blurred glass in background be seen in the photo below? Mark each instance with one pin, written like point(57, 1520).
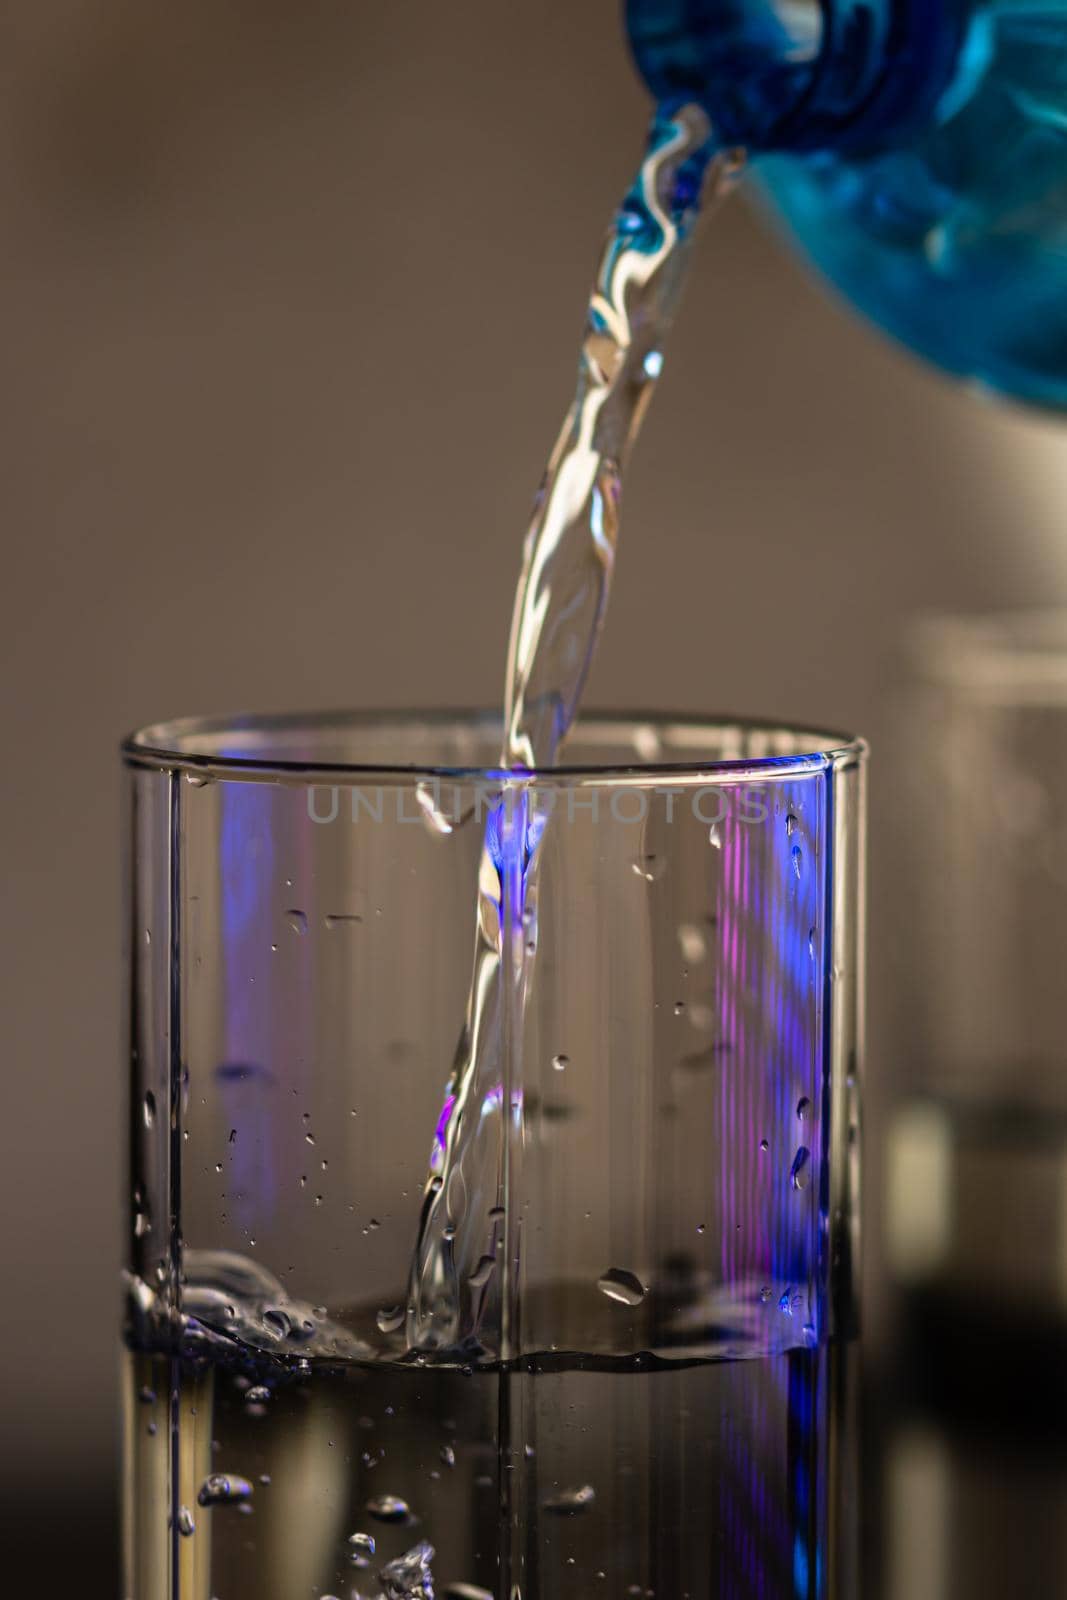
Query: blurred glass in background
point(976, 1152)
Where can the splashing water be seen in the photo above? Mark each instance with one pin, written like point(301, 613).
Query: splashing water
point(568, 560)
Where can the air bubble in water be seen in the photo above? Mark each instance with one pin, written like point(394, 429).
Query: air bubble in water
point(561, 1063)
point(482, 1272)
point(803, 1107)
point(693, 943)
point(625, 1287)
point(409, 1576)
point(466, 1591)
point(798, 859)
point(362, 1543)
point(186, 1525)
point(149, 1109)
point(679, 1007)
point(258, 1396)
point(791, 824)
point(764, 1144)
point(388, 1508)
point(389, 1319)
point(224, 1488)
point(569, 1502)
point(297, 920)
point(448, 1455)
point(800, 1171)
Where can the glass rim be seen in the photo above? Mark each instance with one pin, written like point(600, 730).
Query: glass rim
point(178, 745)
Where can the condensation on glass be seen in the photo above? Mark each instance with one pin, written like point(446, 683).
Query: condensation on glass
point(649, 1396)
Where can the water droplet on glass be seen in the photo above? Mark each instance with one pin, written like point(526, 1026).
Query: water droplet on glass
point(428, 798)
point(811, 943)
point(679, 1007)
point(791, 824)
point(362, 1543)
point(297, 920)
point(798, 859)
point(715, 837)
point(800, 1171)
point(373, 1223)
point(803, 1107)
point(528, 1451)
point(388, 1508)
point(149, 1109)
point(625, 1287)
point(448, 1455)
point(701, 1227)
point(186, 1525)
point(650, 867)
point(224, 1488)
point(309, 1138)
point(389, 1319)
point(482, 1272)
point(568, 1502)
point(764, 1144)
point(342, 919)
point(693, 944)
point(561, 1063)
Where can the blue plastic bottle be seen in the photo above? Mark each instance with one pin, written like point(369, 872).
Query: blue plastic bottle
point(918, 150)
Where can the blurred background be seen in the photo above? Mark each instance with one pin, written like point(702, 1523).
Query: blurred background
point(292, 297)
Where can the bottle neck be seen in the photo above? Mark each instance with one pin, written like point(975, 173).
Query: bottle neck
point(801, 74)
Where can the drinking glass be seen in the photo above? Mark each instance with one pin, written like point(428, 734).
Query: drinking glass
point(646, 1389)
point(976, 1147)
